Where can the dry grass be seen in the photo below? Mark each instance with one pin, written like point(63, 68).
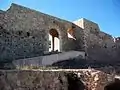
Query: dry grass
point(35, 67)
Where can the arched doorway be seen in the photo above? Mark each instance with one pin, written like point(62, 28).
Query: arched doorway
point(54, 40)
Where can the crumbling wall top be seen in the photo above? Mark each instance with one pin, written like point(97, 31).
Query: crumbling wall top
point(15, 7)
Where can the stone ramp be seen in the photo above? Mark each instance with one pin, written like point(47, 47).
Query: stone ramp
point(48, 59)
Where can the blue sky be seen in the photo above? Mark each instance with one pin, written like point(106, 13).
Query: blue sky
point(104, 12)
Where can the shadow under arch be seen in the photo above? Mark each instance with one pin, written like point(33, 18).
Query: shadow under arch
point(74, 82)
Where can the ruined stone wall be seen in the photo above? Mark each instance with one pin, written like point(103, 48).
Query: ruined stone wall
point(86, 79)
point(32, 80)
point(100, 46)
point(117, 48)
point(26, 33)
point(1, 17)
point(78, 43)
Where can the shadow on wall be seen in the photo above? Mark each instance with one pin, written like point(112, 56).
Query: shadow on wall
point(113, 86)
point(73, 63)
point(74, 83)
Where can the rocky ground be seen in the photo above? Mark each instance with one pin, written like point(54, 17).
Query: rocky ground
point(56, 79)
point(75, 74)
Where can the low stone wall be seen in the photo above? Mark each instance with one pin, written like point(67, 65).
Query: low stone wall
point(62, 79)
point(49, 59)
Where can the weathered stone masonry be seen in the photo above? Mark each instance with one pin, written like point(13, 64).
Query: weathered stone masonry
point(100, 46)
point(54, 80)
point(24, 33)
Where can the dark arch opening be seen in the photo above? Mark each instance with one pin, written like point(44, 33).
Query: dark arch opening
point(113, 86)
point(54, 33)
point(74, 82)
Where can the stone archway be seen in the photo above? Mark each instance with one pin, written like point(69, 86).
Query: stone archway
point(54, 40)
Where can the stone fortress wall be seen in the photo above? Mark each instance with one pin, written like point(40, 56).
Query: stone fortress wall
point(25, 33)
point(99, 45)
